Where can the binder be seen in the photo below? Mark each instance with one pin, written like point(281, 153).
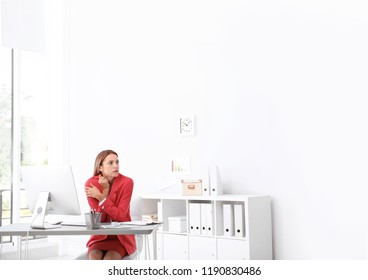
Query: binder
point(215, 186)
point(239, 220)
point(204, 218)
point(197, 219)
point(228, 215)
point(206, 186)
point(192, 221)
point(209, 219)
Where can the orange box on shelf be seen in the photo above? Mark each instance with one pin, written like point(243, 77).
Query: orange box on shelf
point(192, 187)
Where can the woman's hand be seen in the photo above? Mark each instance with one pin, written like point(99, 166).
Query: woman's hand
point(105, 185)
point(104, 182)
point(94, 192)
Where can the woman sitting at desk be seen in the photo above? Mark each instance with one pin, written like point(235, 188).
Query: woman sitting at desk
point(109, 192)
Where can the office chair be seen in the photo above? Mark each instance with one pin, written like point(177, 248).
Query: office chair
point(136, 214)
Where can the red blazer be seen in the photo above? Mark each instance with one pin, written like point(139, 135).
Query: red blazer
point(116, 208)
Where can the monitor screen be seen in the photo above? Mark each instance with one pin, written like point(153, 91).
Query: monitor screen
point(58, 182)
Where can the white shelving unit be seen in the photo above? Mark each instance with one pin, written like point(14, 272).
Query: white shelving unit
point(254, 242)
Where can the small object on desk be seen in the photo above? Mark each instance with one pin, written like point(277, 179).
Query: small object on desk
point(139, 223)
point(93, 220)
point(129, 224)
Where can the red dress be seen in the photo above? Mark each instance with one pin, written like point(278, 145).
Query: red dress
point(116, 208)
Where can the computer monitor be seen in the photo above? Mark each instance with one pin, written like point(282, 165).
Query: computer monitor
point(50, 190)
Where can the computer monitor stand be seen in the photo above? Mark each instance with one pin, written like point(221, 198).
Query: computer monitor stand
point(39, 212)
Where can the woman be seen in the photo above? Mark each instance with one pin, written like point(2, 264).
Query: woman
point(109, 192)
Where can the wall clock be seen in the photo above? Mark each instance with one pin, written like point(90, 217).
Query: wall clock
point(186, 125)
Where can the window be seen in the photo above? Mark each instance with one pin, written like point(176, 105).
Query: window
point(35, 112)
point(42, 101)
point(32, 110)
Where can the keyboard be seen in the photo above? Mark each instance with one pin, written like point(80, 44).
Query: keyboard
point(47, 226)
point(76, 224)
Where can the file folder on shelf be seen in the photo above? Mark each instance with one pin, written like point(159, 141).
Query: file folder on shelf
point(215, 185)
point(206, 219)
point(228, 215)
point(209, 219)
point(191, 218)
point(203, 218)
point(206, 187)
point(194, 218)
point(239, 220)
point(197, 222)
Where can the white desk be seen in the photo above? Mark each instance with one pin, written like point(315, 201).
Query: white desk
point(22, 229)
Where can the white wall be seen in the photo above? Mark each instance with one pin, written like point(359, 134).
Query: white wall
point(278, 89)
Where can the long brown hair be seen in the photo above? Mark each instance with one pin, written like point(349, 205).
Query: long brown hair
point(99, 160)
